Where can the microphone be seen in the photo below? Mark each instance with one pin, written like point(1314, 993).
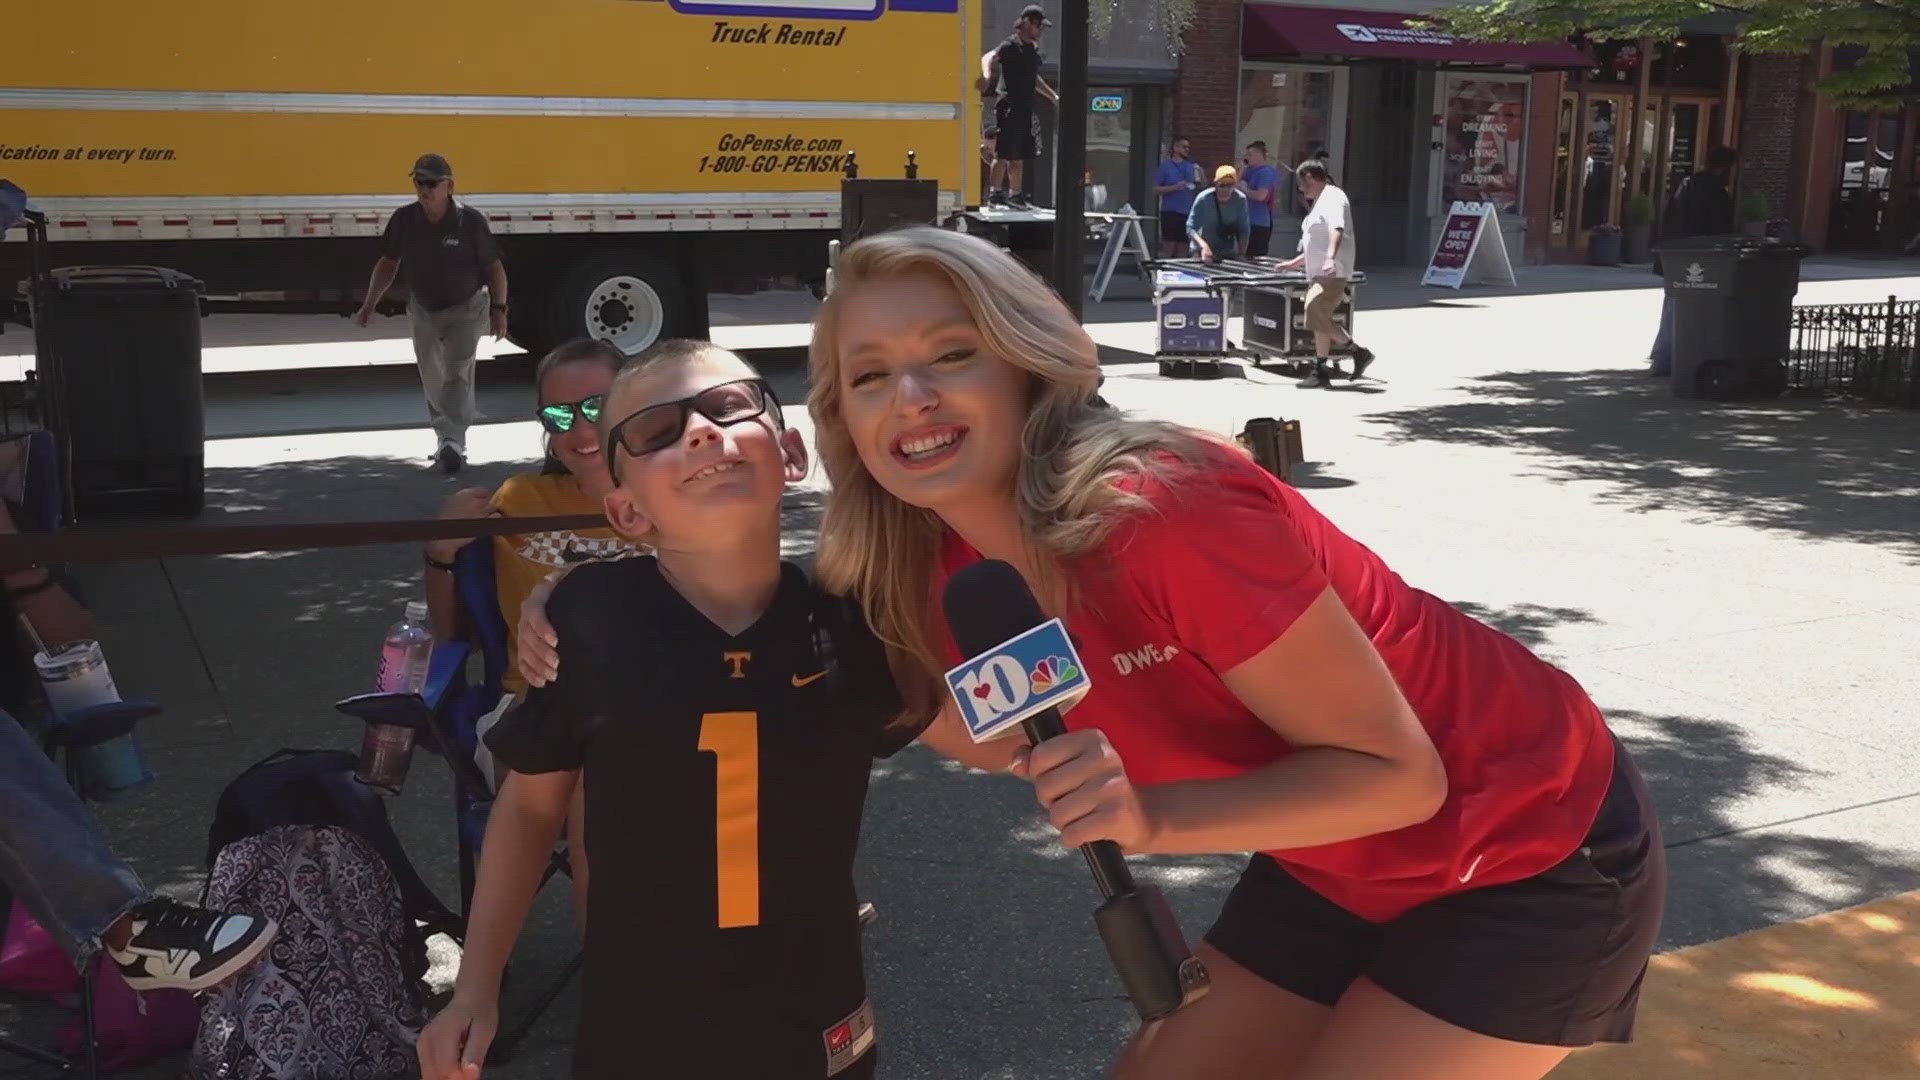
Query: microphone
point(1023, 670)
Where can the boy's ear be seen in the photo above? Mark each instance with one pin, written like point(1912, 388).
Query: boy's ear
point(624, 514)
point(793, 447)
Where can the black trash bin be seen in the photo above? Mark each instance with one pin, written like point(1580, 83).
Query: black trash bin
point(1732, 314)
point(119, 352)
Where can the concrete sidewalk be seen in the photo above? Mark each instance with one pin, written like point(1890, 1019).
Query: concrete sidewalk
point(1739, 587)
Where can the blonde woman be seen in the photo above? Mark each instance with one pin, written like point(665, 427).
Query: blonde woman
point(1458, 874)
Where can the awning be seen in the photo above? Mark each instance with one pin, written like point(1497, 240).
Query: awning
point(1284, 30)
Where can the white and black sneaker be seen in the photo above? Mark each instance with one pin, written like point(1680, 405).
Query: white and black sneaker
point(180, 947)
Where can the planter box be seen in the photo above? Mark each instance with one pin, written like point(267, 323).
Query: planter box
point(1603, 248)
point(1638, 244)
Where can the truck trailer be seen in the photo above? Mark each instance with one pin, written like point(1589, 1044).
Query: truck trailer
point(632, 156)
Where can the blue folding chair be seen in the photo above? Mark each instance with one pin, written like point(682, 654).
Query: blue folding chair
point(458, 703)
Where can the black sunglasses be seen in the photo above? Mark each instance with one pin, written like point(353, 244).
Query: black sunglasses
point(560, 417)
point(657, 427)
point(423, 183)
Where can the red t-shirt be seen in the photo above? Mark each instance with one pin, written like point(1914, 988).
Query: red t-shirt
point(1217, 575)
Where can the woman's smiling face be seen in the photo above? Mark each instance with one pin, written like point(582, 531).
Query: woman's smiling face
point(935, 416)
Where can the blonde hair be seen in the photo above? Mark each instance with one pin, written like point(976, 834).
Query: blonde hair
point(1074, 451)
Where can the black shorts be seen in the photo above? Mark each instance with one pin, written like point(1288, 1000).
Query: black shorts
point(1173, 228)
point(1555, 959)
point(1261, 239)
point(1015, 140)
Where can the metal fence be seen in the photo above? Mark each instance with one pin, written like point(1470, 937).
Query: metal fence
point(1868, 350)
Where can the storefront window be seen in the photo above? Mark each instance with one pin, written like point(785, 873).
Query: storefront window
point(1292, 109)
point(1486, 123)
point(1109, 145)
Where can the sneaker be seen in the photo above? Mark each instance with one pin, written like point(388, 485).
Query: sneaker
point(180, 947)
point(1362, 358)
point(449, 459)
point(1019, 201)
point(998, 197)
point(1319, 380)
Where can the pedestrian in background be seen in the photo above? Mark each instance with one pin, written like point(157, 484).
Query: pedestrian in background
point(1219, 224)
point(1701, 206)
point(1175, 184)
point(1260, 183)
point(456, 293)
point(1327, 255)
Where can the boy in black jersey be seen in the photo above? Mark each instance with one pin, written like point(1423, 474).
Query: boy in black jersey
point(725, 712)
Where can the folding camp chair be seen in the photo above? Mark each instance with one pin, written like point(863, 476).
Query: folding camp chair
point(459, 703)
point(41, 501)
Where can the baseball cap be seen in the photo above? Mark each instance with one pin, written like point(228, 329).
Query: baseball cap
point(432, 167)
point(1225, 172)
point(1035, 11)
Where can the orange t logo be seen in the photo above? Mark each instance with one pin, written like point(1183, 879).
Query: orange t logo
point(739, 662)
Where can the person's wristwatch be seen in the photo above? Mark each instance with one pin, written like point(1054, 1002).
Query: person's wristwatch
point(498, 307)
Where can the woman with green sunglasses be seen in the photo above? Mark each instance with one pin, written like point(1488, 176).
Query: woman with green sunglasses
point(572, 379)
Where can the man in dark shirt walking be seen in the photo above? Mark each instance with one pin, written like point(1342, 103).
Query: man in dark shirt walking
point(1701, 206)
point(457, 292)
point(1016, 63)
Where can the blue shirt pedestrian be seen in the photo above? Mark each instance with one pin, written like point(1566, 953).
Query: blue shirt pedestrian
point(1262, 178)
point(1177, 172)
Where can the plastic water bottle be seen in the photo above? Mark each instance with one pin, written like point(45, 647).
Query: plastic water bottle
point(387, 749)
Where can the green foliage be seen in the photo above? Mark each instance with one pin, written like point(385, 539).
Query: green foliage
point(1640, 209)
point(1174, 17)
point(1885, 29)
point(1754, 207)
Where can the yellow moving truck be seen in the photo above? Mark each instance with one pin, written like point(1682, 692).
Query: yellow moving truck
point(632, 155)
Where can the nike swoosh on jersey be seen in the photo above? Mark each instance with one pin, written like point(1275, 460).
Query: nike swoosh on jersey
point(1471, 867)
point(802, 680)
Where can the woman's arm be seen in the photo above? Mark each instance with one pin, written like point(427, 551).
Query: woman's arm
point(1362, 763)
point(443, 603)
point(947, 735)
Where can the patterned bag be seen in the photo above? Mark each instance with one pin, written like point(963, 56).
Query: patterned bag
point(330, 999)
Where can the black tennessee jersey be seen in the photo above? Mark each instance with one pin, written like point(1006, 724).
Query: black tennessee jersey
point(725, 777)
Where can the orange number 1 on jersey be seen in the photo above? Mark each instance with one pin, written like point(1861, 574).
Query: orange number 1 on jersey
point(734, 740)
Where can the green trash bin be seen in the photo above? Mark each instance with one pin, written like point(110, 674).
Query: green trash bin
point(1732, 314)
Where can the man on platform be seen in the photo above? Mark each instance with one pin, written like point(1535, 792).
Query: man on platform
point(1015, 62)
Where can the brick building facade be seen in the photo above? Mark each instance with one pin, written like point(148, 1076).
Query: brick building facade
point(1769, 105)
point(1208, 89)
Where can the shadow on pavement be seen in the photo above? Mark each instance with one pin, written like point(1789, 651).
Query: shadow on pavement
point(1823, 468)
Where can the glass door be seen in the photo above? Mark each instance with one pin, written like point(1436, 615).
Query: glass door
point(1109, 146)
point(1300, 112)
point(1870, 149)
point(1606, 138)
point(1564, 132)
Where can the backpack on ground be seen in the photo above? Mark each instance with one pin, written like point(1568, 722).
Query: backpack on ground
point(329, 999)
point(316, 787)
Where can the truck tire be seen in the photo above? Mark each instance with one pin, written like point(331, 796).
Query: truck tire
point(628, 298)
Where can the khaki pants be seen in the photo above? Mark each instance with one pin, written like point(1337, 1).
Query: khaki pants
point(444, 344)
point(1324, 297)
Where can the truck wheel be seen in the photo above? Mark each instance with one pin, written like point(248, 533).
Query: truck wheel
point(629, 299)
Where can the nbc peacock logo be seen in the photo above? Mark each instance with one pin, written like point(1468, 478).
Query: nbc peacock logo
point(1051, 671)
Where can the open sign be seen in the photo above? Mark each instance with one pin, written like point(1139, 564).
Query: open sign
point(1107, 103)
